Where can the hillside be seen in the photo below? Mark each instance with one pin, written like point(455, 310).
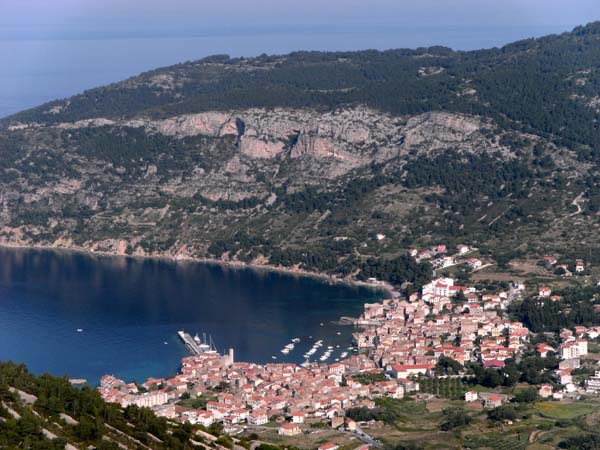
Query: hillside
point(46, 413)
point(302, 159)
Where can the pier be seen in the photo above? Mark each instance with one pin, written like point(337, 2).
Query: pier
point(190, 343)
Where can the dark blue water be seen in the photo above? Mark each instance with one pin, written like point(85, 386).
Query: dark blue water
point(128, 308)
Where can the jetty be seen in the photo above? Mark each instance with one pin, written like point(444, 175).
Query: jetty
point(192, 346)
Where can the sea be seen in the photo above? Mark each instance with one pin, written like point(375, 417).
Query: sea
point(84, 316)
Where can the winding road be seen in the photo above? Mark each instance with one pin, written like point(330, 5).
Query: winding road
point(575, 202)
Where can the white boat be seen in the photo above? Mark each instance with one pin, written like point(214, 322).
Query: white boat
point(296, 340)
point(344, 354)
point(330, 347)
point(166, 343)
point(273, 357)
point(339, 333)
point(289, 346)
point(80, 330)
point(285, 351)
point(325, 356)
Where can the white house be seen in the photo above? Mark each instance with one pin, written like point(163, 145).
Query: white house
point(471, 396)
point(258, 418)
point(462, 249)
point(404, 371)
point(544, 291)
point(205, 418)
point(474, 263)
point(545, 391)
point(573, 349)
point(298, 417)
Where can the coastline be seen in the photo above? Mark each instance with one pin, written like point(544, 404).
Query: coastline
point(383, 286)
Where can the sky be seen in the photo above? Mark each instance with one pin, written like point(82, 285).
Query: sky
point(56, 48)
point(60, 18)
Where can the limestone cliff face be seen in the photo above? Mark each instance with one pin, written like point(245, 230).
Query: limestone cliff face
point(437, 129)
point(315, 146)
point(261, 147)
point(220, 171)
point(210, 124)
point(352, 137)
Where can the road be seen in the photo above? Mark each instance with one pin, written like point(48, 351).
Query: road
point(367, 439)
point(575, 202)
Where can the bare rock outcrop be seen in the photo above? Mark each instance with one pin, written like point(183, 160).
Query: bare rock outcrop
point(437, 129)
point(210, 124)
point(314, 145)
point(261, 147)
point(98, 122)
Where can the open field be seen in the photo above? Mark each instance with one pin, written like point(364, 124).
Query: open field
point(310, 438)
point(563, 410)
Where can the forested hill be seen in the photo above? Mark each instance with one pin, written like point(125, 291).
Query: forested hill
point(48, 413)
point(545, 85)
point(302, 160)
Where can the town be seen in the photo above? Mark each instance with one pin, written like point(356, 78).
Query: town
point(401, 342)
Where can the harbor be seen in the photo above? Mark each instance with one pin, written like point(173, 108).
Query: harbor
point(204, 346)
point(195, 345)
point(314, 352)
